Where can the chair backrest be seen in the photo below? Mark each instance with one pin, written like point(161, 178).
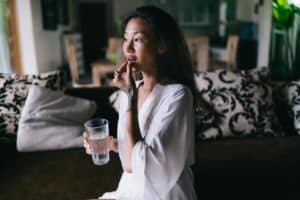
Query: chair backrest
point(115, 50)
point(199, 52)
point(73, 44)
point(231, 50)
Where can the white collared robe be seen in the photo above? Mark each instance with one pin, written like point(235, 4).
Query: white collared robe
point(161, 161)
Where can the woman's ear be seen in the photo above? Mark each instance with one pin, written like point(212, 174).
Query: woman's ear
point(162, 47)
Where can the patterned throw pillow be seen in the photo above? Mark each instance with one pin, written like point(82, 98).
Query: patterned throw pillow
point(13, 92)
point(234, 104)
point(294, 104)
point(204, 114)
point(283, 108)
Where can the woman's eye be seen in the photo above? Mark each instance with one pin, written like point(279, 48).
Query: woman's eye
point(124, 40)
point(137, 39)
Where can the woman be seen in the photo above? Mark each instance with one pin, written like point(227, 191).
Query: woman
point(156, 123)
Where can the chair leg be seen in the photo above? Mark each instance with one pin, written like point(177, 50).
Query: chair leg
point(96, 76)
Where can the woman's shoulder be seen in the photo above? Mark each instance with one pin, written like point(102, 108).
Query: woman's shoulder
point(176, 89)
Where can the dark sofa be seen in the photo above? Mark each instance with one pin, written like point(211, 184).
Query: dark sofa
point(249, 168)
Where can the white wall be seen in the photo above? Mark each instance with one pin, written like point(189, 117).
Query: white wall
point(245, 10)
point(263, 18)
point(264, 33)
point(123, 7)
point(47, 43)
point(41, 50)
point(26, 36)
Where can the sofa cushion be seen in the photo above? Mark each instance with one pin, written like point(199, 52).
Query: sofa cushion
point(52, 120)
point(13, 92)
point(294, 104)
point(283, 108)
point(204, 114)
point(237, 104)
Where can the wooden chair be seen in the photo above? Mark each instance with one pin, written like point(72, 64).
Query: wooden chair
point(199, 51)
point(229, 61)
point(73, 46)
point(103, 69)
point(115, 48)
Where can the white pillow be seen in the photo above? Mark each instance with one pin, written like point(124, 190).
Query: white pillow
point(51, 120)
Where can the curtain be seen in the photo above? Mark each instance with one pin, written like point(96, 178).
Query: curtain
point(5, 64)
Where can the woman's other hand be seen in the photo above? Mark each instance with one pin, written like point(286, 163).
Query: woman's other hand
point(86, 143)
point(111, 142)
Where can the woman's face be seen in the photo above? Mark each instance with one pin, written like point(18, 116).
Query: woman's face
point(139, 46)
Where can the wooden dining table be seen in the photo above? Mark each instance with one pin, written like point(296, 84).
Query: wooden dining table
point(100, 68)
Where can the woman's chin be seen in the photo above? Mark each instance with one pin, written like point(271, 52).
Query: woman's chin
point(136, 68)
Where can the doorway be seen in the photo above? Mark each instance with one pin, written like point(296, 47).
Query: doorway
point(93, 23)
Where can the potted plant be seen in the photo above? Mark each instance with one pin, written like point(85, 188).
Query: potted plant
point(283, 39)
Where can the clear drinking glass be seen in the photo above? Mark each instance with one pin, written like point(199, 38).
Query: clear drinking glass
point(98, 131)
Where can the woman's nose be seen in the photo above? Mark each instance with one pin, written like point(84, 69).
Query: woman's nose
point(128, 47)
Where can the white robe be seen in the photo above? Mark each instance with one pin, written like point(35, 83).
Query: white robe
point(161, 161)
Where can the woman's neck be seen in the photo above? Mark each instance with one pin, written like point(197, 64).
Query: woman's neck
point(149, 82)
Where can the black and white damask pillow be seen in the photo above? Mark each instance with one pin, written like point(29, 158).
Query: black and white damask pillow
point(13, 92)
point(283, 106)
point(294, 104)
point(204, 114)
point(236, 104)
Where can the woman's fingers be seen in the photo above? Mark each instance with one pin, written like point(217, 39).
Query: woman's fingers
point(85, 135)
point(87, 149)
point(125, 82)
point(86, 143)
point(112, 144)
point(128, 70)
point(129, 77)
point(122, 67)
point(118, 80)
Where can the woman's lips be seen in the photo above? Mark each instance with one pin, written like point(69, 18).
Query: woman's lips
point(131, 59)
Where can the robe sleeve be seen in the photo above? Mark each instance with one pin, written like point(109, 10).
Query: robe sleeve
point(161, 159)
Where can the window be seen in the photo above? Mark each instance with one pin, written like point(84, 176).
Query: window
point(193, 13)
point(9, 46)
point(189, 12)
point(5, 65)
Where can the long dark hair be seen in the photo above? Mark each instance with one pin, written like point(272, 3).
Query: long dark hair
point(174, 64)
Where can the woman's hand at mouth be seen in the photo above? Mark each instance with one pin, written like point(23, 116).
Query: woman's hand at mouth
point(124, 78)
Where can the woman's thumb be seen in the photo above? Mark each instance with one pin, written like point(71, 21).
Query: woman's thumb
point(129, 70)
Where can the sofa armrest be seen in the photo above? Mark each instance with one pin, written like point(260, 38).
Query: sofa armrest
point(99, 94)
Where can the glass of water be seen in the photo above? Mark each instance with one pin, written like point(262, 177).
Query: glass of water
point(98, 131)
